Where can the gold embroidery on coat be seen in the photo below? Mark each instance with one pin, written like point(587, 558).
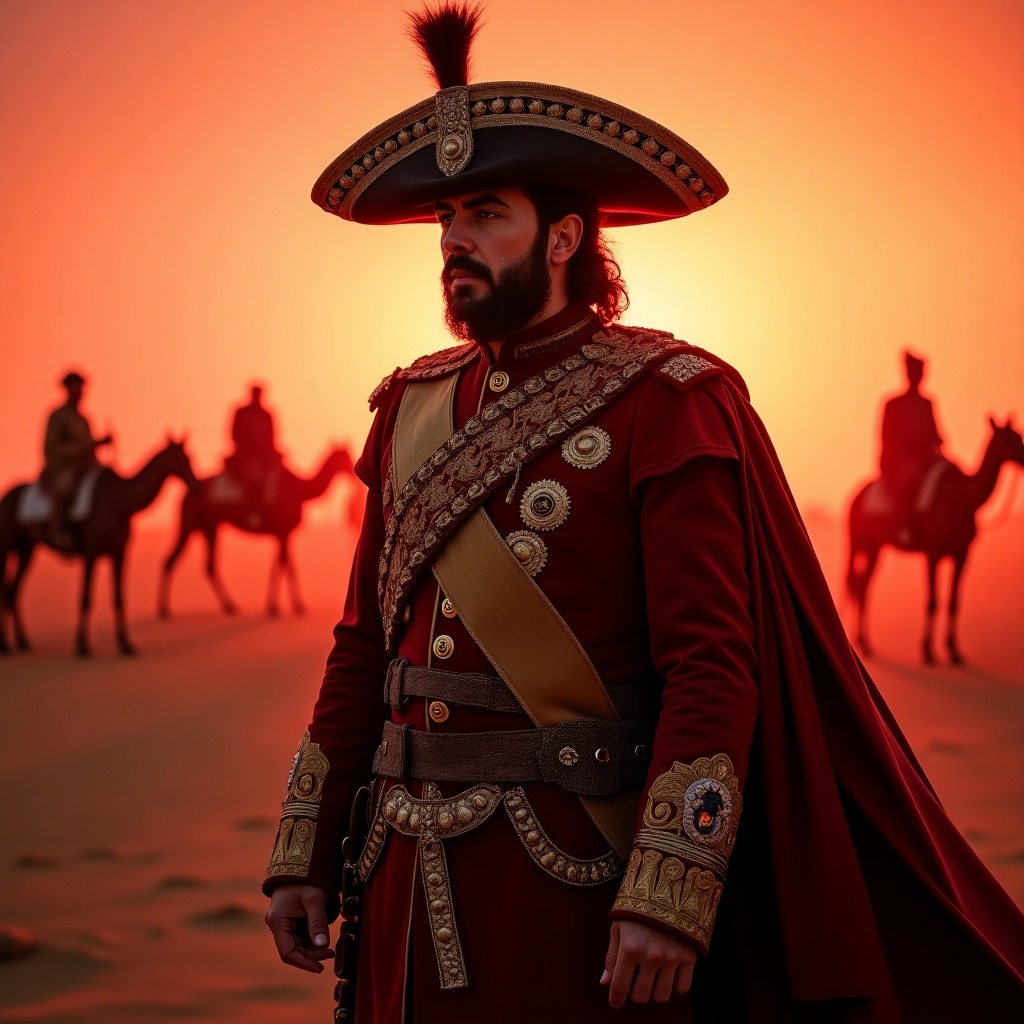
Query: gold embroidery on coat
point(685, 366)
point(434, 819)
point(680, 856)
point(293, 847)
point(547, 856)
point(493, 445)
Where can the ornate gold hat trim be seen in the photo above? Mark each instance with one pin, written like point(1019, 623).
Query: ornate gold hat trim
point(498, 104)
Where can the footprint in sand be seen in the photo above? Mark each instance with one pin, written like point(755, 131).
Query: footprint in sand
point(228, 915)
point(16, 943)
point(943, 746)
point(110, 854)
point(179, 882)
point(256, 823)
point(35, 861)
point(48, 972)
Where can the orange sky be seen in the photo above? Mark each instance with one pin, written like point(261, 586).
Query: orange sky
point(156, 230)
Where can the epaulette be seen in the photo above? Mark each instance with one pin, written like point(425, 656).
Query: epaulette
point(693, 364)
point(429, 367)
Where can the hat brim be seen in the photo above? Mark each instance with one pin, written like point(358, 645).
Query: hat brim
point(523, 134)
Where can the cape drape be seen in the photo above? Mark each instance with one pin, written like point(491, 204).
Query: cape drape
point(855, 831)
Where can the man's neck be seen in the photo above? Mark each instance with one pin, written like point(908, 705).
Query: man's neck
point(552, 308)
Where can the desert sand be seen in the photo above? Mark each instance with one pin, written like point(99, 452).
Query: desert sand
point(139, 796)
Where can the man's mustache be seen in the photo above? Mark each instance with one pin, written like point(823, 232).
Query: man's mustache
point(460, 261)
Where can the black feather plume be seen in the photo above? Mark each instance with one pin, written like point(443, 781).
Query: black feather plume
point(444, 33)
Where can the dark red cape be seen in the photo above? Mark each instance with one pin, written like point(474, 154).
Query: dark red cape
point(862, 855)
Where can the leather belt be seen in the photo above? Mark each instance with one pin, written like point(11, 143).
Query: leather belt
point(587, 756)
point(490, 692)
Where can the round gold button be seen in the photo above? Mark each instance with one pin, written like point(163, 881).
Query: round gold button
point(498, 381)
point(444, 646)
point(438, 711)
point(448, 609)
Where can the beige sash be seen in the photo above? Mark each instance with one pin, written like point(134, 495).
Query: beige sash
point(506, 613)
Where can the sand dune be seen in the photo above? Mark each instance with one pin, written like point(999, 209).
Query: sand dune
point(140, 795)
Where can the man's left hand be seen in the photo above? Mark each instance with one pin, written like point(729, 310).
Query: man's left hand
point(644, 963)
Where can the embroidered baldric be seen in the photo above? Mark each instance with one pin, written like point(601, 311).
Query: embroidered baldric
point(504, 610)
point(467, 465)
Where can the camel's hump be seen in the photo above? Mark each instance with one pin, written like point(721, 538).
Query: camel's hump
point(437, 364)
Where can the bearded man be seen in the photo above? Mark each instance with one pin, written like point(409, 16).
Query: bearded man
point(585, 635)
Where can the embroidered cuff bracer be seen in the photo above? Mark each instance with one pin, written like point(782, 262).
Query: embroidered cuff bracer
point(680, 855)
point(293, 847)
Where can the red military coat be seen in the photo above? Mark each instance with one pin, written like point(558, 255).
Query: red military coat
point(683, 570)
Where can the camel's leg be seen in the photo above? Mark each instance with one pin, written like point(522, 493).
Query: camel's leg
point(955, 657)
point(84, 608)
point(863, 580)
point(117, 562)
point(298, 605)
point(6, 600)
point(274, 585)
point(927, 653)
point(229, 606)
point(24, 553)
point(163, 601)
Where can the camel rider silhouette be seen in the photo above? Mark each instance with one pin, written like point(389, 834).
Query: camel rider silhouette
point(910, 445)
point(69, 452)
point(256, 462)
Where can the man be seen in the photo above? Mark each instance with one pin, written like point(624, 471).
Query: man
point(585, 634)
point(255, 462)
point(69, 452)
point(910, 444)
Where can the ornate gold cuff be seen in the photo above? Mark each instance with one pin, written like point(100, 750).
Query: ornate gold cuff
point(680, 856)
point(293, 847)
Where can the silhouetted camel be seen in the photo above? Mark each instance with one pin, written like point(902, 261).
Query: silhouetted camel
point(199, 511)
point(106, 531)
point(946, 530)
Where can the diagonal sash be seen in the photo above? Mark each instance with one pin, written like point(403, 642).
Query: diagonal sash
point(529, 644)
point(460, 470)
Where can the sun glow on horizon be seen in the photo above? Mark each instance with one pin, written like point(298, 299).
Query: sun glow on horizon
point(163, 237)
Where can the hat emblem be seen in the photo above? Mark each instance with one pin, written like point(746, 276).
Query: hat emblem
point(454, 135)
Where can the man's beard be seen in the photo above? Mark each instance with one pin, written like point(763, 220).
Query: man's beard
point(513, 300)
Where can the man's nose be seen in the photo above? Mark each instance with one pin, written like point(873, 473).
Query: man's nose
point(456, 240)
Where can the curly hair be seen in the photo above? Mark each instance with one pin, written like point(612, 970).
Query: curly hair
point(594, 275)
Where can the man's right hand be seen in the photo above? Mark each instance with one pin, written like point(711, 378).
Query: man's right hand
point(297, 918)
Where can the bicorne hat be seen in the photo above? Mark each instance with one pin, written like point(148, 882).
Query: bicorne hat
point(468, 138)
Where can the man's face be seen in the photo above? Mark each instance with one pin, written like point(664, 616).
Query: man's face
point(496, 276)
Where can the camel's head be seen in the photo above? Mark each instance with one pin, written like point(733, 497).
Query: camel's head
point(340, 459)
point(1007, 441)
point(177, 461)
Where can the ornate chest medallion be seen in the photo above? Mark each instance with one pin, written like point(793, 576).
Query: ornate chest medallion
point(545, 505)
point(587, 448)
point(530, 551)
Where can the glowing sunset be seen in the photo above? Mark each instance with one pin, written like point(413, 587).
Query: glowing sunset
point(157, 235)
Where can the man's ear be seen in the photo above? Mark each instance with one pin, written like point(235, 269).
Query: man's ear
point(566, 235)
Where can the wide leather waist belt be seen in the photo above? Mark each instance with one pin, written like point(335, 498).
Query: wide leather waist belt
point(587, 756)
point(490, 692)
